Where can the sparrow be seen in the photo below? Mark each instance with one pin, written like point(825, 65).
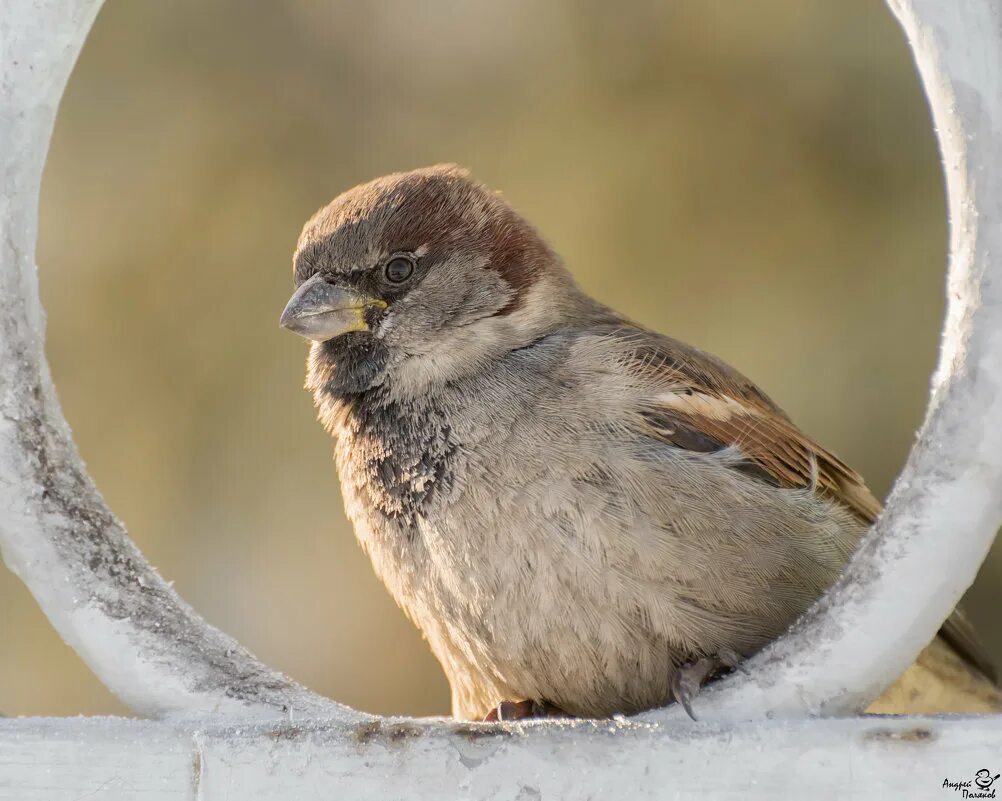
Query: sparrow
point(581, 515)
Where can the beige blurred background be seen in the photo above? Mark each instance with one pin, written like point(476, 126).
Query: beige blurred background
point(757, 178)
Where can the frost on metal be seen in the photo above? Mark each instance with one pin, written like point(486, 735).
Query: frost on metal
point(821, 760)
point(158, 655)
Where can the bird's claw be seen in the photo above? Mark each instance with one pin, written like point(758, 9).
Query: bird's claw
point(731, 659)
point(523, 710)
point(688, 679)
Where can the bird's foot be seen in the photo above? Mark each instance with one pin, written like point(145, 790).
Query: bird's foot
point(689, 679)
point(524, 710)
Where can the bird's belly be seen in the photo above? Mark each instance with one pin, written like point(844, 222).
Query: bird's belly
point(518, 610)
point(566, 585)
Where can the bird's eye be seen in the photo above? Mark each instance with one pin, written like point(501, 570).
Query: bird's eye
point(398, 269)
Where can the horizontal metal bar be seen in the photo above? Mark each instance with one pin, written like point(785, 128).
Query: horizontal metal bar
point(869, 757)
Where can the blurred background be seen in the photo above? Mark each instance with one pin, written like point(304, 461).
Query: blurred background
point(757, 178)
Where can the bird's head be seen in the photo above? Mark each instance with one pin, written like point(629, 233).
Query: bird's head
point(417, 278)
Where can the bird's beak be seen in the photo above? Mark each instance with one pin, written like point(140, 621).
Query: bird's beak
point(321, 311)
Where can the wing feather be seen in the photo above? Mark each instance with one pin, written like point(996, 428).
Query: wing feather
point(701, 399)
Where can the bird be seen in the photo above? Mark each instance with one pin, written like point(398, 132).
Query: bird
point(583, 517)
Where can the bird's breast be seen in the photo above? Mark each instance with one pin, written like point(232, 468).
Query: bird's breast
point(398, 460)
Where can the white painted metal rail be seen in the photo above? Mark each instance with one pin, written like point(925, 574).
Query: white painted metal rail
point(113, 760)
point(228, 726)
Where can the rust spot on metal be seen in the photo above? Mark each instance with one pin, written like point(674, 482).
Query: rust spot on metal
point(365, 733)
point(399, 732)
point(391, 734)
point(915, 734)
point(285, 731)
point(475, 733)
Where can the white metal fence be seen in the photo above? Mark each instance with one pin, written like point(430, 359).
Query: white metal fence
point(225, 726)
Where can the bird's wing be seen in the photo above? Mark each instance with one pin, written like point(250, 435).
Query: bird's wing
point(703, 404)
point(699, 403)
